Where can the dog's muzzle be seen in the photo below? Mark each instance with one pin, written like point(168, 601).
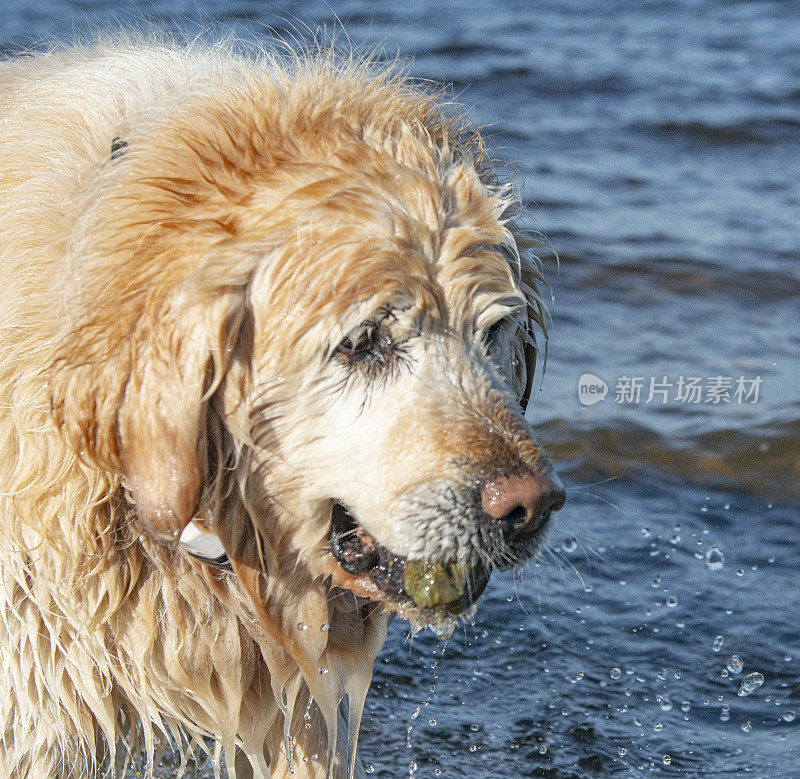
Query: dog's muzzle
point(447, 587)
point(510, 509)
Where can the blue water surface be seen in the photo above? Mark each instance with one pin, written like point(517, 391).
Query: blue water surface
point(656, 145)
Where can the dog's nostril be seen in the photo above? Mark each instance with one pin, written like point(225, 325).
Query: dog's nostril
point(523, 502)
point(516, 518)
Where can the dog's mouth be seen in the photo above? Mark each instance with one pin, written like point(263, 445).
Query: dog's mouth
point(424, 591)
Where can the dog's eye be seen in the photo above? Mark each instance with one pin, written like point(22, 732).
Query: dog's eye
point(491, 333)
point(360, 346)
point(370, 352)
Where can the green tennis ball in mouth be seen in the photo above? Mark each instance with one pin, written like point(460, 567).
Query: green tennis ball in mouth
point(449, 585)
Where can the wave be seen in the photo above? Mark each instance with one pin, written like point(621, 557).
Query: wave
point(692, 278)
point(760, 130)
point(764, 462)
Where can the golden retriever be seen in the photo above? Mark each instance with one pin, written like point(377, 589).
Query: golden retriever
point(267, 338)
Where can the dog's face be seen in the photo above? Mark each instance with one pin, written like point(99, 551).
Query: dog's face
point(391, 353)
point(331, 325)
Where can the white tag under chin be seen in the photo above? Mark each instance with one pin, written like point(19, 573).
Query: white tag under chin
point(204, 546)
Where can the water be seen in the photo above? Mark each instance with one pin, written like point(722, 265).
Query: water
point(658, 142)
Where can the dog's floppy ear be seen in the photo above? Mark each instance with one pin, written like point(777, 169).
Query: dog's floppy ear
point(129, 390)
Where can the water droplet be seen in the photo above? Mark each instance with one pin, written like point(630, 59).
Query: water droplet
point(474, 727)
point(672, 602)
point(432, 722)
point(437, 771)
point(658, 726)
point(322, 670)
point(685, 706)
point(750, 684)
point(416, 713)
point(718, 642)
point(569, 544)
point(735, 664)
point(666, 760)
point(747, 727)
point(715, 559)
point(622, 751)
point(616, 673)
point(542, 750)
point(789, 715)
point(301, 626)
point(325, 628)
point(646, 532)
point(656, 582)
point(473, 747)
point(740, 572)
point(370, 769)
point(664, 702)
point(724, 716)
point(444, 630)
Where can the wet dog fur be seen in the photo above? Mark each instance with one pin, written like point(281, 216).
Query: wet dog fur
point(237, 288)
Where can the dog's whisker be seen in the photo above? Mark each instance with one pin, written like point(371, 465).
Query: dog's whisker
point(560, 558)
point(597, 497)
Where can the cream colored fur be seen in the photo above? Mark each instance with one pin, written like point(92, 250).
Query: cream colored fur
point(168, 319)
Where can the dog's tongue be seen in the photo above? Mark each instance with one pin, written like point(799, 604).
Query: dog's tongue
point(449, 585)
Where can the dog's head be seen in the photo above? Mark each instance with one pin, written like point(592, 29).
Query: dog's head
point(302, 314)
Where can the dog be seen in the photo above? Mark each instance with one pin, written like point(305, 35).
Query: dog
point(268, 334)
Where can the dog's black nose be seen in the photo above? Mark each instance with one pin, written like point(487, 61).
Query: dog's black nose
point(523, 502)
